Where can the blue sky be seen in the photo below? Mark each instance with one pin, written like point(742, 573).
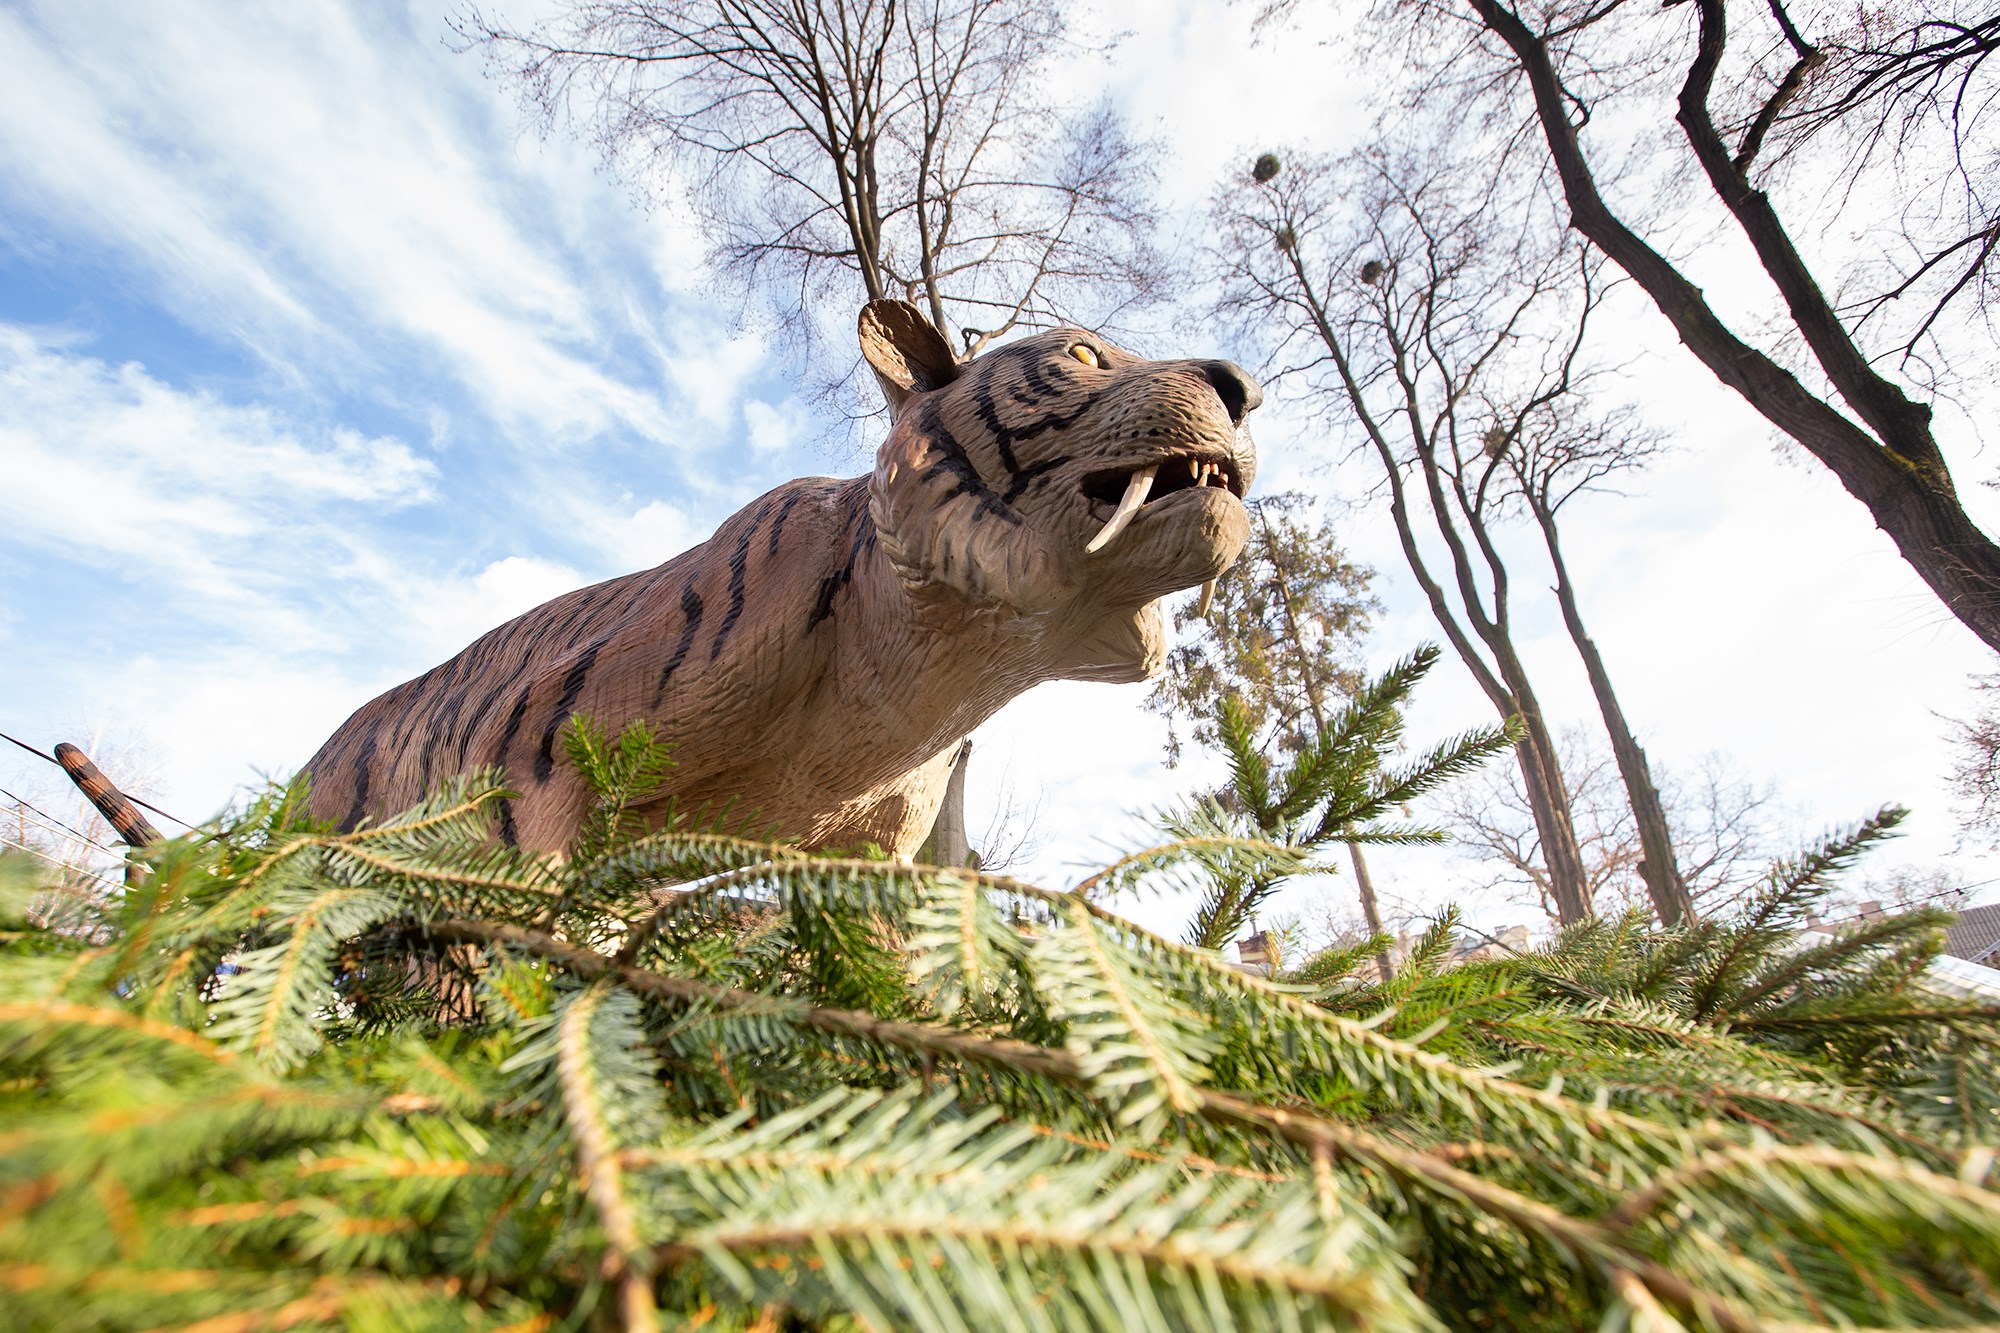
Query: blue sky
point(314, 365)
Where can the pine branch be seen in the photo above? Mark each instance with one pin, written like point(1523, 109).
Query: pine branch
point(591, 1097)
point(843, 1088)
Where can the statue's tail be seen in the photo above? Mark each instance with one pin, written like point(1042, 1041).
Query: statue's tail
point(134, 828)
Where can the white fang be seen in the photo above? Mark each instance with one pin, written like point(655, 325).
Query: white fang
point(1136, 491)
point(1207, 596)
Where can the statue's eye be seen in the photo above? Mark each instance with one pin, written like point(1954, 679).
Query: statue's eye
point(1087, 355)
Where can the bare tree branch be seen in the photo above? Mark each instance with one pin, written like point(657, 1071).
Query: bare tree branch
point(907, 147)
point(1878, 441)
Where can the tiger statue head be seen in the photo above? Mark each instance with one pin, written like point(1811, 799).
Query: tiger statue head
point(1059, 478)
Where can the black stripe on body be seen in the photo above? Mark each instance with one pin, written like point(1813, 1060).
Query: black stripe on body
point(470, 728)
point(488, 657)
point(468, 683)
point(441, 716)
point(405, 703)
point(691, 610)
point(778, 524)
point(952, 459)
point(364, 772)
point(739, 564)
point(830, 586)
point(579, 671)
point(959, 463)
point(506, 809)
point(1005, 437)
point(513, 726)
point(1027, 475)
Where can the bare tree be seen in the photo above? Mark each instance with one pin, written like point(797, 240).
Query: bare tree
point(1903, 94)
point(1745, 78)
point(1721, 825)
point(1557, 451)
point(835, 149)
point(1417, 299)
point(1975, 776)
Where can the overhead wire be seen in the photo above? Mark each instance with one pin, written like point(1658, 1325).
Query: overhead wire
point(60, 864)
point(24, 819)
point(72, 829)
point(45, 756)
point(1960, 892)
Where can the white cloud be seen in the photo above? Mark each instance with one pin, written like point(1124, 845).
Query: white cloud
point(463, 609)
point(712, 373)
point(313, 216)
point(651, 535)
point(776, 428)
point(119, 423)
point(205, 503)
point(245, 584)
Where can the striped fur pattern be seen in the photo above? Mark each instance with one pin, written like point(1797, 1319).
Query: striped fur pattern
point(817, 660)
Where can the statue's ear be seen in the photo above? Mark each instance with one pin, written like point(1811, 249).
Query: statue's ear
point(908, 353)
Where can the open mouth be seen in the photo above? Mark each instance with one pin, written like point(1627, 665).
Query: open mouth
point(1175, 472)
point(1130, 489)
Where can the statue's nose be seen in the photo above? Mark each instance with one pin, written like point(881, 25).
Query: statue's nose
point(1239, 393)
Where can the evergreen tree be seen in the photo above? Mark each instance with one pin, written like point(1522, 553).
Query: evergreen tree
point(409, 1078)
point(1282, 633)
point(1282, 638)
point(1333, 788)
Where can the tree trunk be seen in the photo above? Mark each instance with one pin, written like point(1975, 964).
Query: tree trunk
point(1548, 802)
point(1541, 778)
point(1658, 866)
point(1897, 472)
point(1370, 912)
point(1511, 695)
point(1541, 774)
point(1541, 771)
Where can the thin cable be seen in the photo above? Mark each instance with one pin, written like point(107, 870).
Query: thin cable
point(156, 810)
point(45, 755)
point(39, 754)
point(51, 819)
point(24, 818)
point(60, 865)
point(1962, 892)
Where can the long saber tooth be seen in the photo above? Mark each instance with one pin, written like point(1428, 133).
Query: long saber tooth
point(1207, 596)
point(1136, 491)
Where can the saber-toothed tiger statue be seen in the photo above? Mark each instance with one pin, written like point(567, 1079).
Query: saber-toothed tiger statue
point(819, 657)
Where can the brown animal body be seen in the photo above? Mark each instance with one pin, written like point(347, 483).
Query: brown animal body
point(817, 660)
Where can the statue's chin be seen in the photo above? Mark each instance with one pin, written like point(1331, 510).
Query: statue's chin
point(1195, 536)
point(1116, 647)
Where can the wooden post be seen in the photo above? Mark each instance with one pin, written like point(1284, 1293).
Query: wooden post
point(948, 844)
point(1370, 912)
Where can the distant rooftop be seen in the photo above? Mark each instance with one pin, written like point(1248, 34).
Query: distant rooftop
point(1975, 936)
